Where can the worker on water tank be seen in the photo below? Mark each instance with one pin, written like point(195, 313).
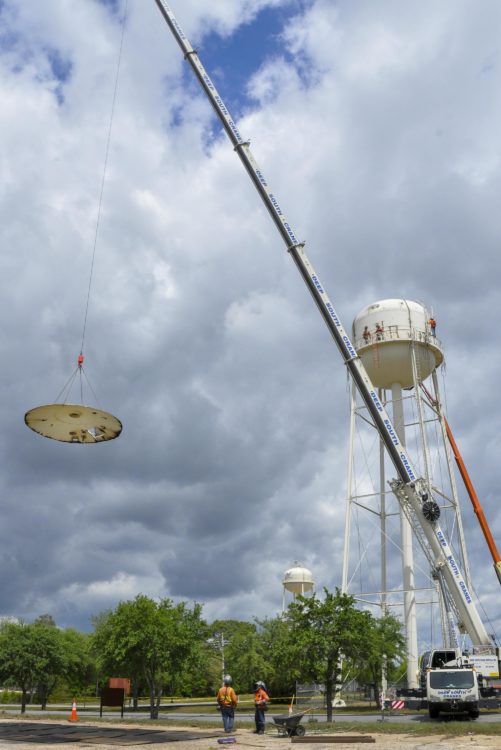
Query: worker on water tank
point(433, 324)
point(366, 334)
point(379, 332)
point(227, 702)
point(261, 700)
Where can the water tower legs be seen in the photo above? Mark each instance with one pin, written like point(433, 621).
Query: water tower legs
point(356, 501)
point(350, 497)
point(407, 557)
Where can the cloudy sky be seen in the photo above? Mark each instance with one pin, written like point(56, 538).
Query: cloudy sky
point(378, 125)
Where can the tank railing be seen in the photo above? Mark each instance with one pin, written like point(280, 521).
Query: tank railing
point(380, 333)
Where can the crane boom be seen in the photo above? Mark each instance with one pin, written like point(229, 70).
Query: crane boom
point(410, 489)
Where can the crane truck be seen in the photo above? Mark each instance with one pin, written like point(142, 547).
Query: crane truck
point(412, 491)
point(453, 690)
point(453, 681)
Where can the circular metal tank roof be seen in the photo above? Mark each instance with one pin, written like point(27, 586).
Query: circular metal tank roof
point(73, 423)
point(384, 334)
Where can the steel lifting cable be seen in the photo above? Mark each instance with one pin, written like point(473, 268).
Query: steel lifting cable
point(66, 390)
point(103, 180)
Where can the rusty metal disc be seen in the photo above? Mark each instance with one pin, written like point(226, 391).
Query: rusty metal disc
point(73, 423)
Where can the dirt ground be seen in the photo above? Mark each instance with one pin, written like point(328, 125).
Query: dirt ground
point(244, 738)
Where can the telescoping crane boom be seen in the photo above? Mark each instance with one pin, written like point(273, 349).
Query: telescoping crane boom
point(412, 491)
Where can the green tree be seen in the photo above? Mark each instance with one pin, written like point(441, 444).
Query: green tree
point(196, 675)
point(244, 653)
point(31, 657)
point(80, 671)
point(318, 636)
point(384, 649)
point(275, 638)
point(45, 619)
point(51, 658)
point(149, 640)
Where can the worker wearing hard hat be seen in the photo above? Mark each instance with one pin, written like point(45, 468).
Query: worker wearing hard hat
point(261, 700)
point(227, 702)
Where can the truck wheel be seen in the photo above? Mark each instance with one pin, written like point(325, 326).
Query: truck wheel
point(434, 712)
point(474, 714)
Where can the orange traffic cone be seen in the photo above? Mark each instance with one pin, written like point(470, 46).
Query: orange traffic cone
point(74, 716)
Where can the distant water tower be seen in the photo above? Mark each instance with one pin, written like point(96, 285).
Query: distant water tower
point(397, 343)
point(297, 580)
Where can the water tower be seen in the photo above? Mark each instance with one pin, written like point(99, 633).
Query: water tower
point(297, 580)
point(396, 340)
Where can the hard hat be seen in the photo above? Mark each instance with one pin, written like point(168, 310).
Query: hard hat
point(227, 679)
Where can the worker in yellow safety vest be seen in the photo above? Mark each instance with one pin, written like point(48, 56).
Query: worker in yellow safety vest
point(227, 701)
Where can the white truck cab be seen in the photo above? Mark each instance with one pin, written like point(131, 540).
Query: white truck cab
point(452, 691)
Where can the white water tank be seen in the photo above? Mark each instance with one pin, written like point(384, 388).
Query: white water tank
point(297, 579)
point(384, 334)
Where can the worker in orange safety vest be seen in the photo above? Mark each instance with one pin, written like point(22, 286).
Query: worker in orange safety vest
point(261, 700)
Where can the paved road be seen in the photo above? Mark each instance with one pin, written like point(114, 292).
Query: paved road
point(247, 717)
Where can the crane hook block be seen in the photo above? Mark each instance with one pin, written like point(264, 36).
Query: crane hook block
point(80, 359)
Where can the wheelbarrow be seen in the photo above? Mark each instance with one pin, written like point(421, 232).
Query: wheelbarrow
point(289, 724)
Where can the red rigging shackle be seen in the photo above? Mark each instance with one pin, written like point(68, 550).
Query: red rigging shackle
point(80, 359)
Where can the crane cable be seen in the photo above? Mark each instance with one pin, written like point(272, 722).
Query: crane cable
point(114, 99)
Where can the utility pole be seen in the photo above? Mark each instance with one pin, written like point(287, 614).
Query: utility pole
point(219, 642)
